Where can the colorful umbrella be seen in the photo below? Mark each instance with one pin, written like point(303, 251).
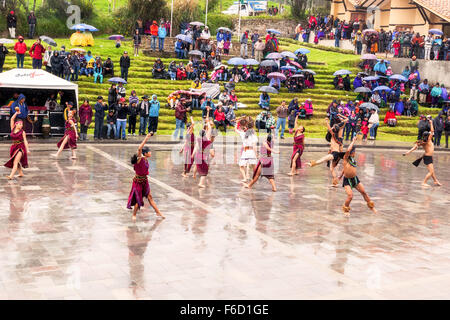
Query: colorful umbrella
point(436, 31)
point(116, 37)
point(341, 72)
point(291, 68)
point(296, 64)
point(274, 55)
point(398, 77)
point(84, 27)
point(117, 80)
point(273, 31)
point(288, 54)
point(302, 51)
point(276, 75)
point(267, 89)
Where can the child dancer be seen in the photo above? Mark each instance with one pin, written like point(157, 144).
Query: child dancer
point(188, 148)
point(140, 188)
point(265, 166)
point(298, 147)
point(249, 141)
point(351, 180)
point(69, 140)
point(19, 148)
point(428, 146)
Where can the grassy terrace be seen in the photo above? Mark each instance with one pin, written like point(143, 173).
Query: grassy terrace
point(141, 81)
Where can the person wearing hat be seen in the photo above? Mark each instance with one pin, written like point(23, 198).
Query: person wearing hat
point(124, 65)
point(20, 48)
point(11, 22)
point(99, 108)
point(358, 41)
point(154, 34)
point(244, 44)
point(63, 53)
point(144, 109)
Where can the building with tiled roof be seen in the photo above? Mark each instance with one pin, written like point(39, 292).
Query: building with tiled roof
point(416, 15)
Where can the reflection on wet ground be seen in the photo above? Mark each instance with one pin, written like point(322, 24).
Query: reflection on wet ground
point(65, 232)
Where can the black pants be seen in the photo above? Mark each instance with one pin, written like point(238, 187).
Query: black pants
point(152, 124)
point(98, 127)
point(83, 129)
point(220, 123)
point(447, 134)
point(124, 73)
point(131, 124)
point(437, 138)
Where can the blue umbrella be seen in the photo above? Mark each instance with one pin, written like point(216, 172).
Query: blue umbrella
point(273, 31)
point(436, 31)
point(341, 72)
point(381, 88)
point(84, 27)
point(371, 78)
point(291, 68)
point(117, 80)
point(268, 63)
point(184, 38)
point(398, 77)
point(237, 61)
point(288, 54)
point(302, 51)
point(251, 62)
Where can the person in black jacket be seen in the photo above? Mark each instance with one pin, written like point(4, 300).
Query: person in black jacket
point(56, 64)
point(11, 23)
point(132, 115)
point(3, 52)
point(124, 65)
point(67, 67)
point(112, 95)
point(144, 110)
point(108, 67)
point(447, 129)
point(121, 122)
point(136, 42)
point(438, 124)
point(31, 25)
point(75, 65)
point(100, 108)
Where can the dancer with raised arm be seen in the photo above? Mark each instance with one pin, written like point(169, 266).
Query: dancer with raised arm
point(188, 148)
point(427, 144)
point(69, 140)
point(202, 152)
point(351, 180)
point(19, 149)
point(265, 166)
point(298, 147)
point(248, 158)
point(336, 147)
point(141, 188)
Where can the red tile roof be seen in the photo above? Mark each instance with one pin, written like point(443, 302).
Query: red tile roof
point(441, 8)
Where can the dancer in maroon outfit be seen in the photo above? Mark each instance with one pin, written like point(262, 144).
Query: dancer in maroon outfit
point(265, 166)
point(203, 152)
point(69, 140)
point(19, 149)
point(299, 145)
point(188, 148)
point(140, 188)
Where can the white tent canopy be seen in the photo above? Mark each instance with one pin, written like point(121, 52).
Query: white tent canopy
point(35, 79)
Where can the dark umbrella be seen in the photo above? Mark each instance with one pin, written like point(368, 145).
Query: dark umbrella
point(48, 40)
point(267, 89)
point(117, 80)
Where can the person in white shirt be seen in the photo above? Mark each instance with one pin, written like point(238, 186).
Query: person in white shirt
point(248, 158)
point(47, 56)
point(205, 33)
point(373, 124)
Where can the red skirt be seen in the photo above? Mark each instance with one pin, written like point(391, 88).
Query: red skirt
point(267, 169)
point(15, 148)
point(139, 190)
point(298, 162)
point(71, 143)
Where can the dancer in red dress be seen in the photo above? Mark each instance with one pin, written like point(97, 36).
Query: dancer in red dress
point(69, 140)
point(19, 149)
point(265, 166)
point(188, 148)
point(299, 146)
point(140, 188)
point(203, 152)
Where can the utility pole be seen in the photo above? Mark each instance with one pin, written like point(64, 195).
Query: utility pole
point(171, 20)
point(206, 15)
point(239, 23)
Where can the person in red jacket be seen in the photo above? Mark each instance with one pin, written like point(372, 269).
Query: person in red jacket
point(20, 48)
point(36, 52)
point(154, 34)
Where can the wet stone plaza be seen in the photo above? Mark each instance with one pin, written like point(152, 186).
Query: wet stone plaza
point(65, 232)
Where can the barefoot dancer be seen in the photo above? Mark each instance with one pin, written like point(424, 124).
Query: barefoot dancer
point(202, 152)
point(140, 188)
point(188, 148)
point(248, 157)
point(336, 147)
point(19, 149)
point(351, 180)
point(299, 145)
point(69, 140)
point(428, 146)
point(265, 166)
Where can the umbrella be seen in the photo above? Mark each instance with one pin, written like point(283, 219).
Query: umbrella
point(368, 105)
point(381, 88)
point(220, 66)
point(369, 56)
point(251, 62)
point(288, 54)
point(436, 31)
point(116, 37)
point(267, 89)
point(309, 71)
point(363, 74)
point(341, 72)
point(237, 61)
point(274, 55)
point(84, 27)
point(78, 49)
point(385, 61)
point(225, 29)
point(196, 23)
point(48, 40)
point(398, 77)
point(362, 90)
point(273, 31)
point(291, 68)
point(296, 64)
point(195, 53)
point(371, 78)
point(370, 31)
point(184, 38)
point(276, 75)
point(298, 75)
point(5, 41)
point(117, 80)
point(268, 63)
point(302, 51)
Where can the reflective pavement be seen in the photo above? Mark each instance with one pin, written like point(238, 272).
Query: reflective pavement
point(65, 232)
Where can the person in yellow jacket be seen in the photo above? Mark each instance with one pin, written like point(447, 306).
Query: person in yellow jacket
point(196, 84)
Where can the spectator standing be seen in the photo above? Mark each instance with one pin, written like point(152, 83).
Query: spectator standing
point(427, 45)
point(136, 42)
point(3, 52)
point(413, 64)
point(132, 116)
point(85, 118)
point(124, 65)
point(11, 22)
point(358, 42)
point(447, 129)
point(111, 119)
point(36, 52)
point(121, 122)
point(153, 114)
point(374, 121)
point(254, 38)
point(162, 33)
point(438, 125)
point(244, 44)
point(282, 113)
point(31, 25)
point(47, 59)
point(180, 119)
point(144, 109)
point(75, 63)
point(424, 90)
point(99, 118)
point(154, 34)
point(56, 63)
point(436, 46)
point(20, 48)
point(259, 48)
